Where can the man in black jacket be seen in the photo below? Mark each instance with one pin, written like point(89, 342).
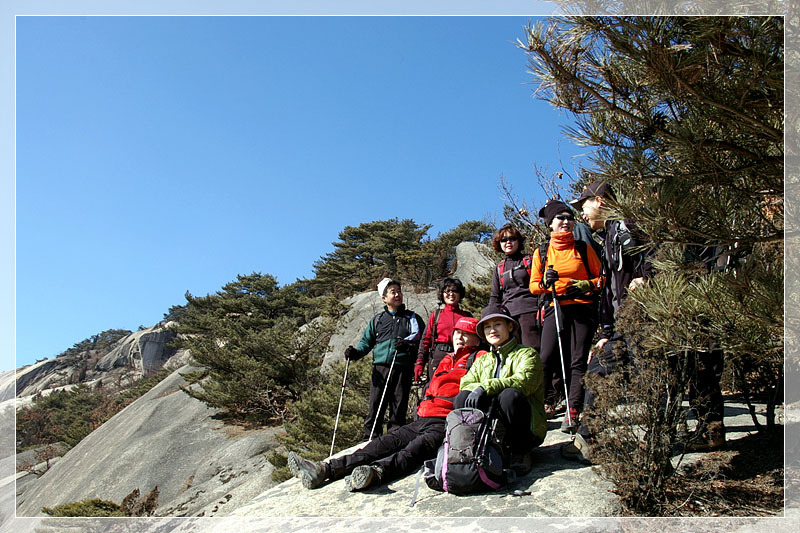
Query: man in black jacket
point(626, 266)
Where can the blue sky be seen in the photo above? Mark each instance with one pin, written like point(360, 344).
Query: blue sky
point(156, 155)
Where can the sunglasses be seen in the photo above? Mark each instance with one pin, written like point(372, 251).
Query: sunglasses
point(508, 239)
point(565, 217)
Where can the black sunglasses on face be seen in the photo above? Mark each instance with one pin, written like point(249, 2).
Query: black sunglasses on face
point(508, 239)
point(565, 217)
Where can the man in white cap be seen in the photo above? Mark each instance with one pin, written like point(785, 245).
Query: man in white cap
point(393, 336)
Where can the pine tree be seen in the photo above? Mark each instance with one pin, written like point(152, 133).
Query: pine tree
point(685, 117)
point(259, 345)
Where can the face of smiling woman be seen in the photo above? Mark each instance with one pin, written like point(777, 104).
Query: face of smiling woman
point(497, 331)
point(562, 222)
point(509, 243)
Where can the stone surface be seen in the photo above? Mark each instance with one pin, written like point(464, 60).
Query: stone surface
point(145, 351)
point(132, 357)
point(165, 439)
point(472, 261)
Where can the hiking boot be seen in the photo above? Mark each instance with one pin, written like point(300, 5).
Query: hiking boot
point(713, 438)
point(570, 423)
point(362, 477)
point(549, 411)
point(311, 474)
point(521, 463)
point(577, 450)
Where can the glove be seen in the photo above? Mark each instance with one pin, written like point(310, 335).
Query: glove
point(418, 369)
point(350, 353)
point(402, 345)
point(583, 285)
point(550, 277)
point(474, 397)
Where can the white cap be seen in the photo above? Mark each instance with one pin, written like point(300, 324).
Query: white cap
point(383, 284)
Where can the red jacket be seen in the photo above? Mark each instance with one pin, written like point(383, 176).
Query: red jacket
point(448, 317)
point(446, 382)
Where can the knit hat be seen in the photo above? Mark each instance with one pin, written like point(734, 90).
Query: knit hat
point(552, 208)
point(385, 282)
point(466, 323)
point(490, 313)
point(596, 188)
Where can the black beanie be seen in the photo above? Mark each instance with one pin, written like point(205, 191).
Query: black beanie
point(551, 209)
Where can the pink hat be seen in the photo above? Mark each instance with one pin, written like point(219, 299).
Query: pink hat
point(467, 323)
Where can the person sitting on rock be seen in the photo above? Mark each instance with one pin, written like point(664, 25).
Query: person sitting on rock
point(404, 449)
point(513, 379)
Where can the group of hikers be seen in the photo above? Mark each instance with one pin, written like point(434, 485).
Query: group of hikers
point(522, 363)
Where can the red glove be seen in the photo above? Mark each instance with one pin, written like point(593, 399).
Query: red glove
point(418, 369)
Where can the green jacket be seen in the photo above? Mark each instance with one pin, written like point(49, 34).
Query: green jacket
point(384, 330)
point(520, 369)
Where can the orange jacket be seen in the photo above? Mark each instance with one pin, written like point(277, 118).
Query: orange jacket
point(566, 260)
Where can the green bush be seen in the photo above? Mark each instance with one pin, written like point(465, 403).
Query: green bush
point(88, 507)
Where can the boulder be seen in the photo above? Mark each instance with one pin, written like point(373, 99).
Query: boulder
point(167, 439)
point(472, 261)
point(144, 351)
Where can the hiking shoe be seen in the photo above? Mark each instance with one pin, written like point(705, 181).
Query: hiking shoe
point(362, 477)
point(713, 438)
point(549, 411)
point(570, 424)
point(577, 450)
point(521, 463)
point(311, 474)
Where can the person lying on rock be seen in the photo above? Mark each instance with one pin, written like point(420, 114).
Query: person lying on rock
point(404, 449)
point(512, 379)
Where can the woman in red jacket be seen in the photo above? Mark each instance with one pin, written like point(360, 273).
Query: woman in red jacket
point(405, 448)
point(436, 341)
point(576, 273)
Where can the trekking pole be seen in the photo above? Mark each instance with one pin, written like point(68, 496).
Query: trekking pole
point(379, 414)
point(557, 310)
point(339, 409)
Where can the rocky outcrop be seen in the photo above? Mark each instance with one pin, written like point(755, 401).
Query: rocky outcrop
point(144, 351)
point(472, 261)
point(167, 439)
point(132, 357)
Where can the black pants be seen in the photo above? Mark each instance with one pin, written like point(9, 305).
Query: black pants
point(578, 323)
point(437, 355)
point(705, 394)
point(611, 358)
point(514, 412)
point(399, 452)
point(530, 331)
point(396, 397)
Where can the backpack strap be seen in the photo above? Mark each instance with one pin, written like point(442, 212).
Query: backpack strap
point(435, 323)
point(581, 246)
point(527, 261)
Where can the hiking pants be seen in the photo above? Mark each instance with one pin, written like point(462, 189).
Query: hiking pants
point(437, 354)
point(578, 324)
point(613, 355)
point(705, 394)
point(514, 412)
point(396, 397)
point(399, 452)
point(529, 334)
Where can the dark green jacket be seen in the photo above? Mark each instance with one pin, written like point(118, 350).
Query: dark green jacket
point(383, 332)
